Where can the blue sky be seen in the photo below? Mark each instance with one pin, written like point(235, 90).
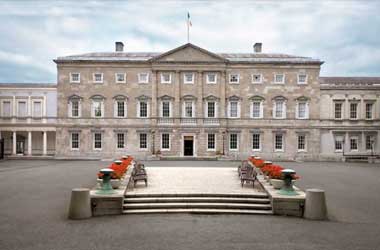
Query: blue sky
point(344, 34)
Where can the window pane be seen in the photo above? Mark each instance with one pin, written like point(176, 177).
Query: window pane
point(74, 108)
point(165, 141)
point(278, 142)
point(256, 141)
point(256, 109)
point(120, 140)
point(279, 78)
point(37, 109)
point(22, 109)
point(120, 109)
point(98, 77)
point(338, 144)
point(189, 77)
point(353, 110)
point(301, 142)
point(210, 141)
point(143, 141)
point(234, 78)
point(301, 78)
point(233, 141)
point(143, 109)
point(97, 140)
point(211, 78)
point(74, 140)
point(368, 110)
point(143, 77)
point(188, 109)
point(369, 140)
point(97, 108)
point(7, 108)
point(302, 110)
point(279, 109)
point(256, 78)
point(210, 109)
point(234, 109)
point(338, 110)
point(166, 109)
point(75, 77)
point(354, 143)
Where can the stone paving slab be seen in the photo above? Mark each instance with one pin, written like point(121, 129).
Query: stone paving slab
point(193, 180)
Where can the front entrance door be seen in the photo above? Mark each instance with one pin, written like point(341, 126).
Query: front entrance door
point(188, 146)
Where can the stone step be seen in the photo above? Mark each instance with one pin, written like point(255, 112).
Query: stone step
point(224, 195)
point(169, 205)
point(197, 199)
point(199, 211)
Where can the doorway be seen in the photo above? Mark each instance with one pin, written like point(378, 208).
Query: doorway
point(188, 146)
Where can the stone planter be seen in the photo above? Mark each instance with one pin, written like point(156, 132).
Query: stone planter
point(277, 184)
point(115, 183)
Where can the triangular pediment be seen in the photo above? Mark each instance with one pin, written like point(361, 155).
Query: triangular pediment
point(188, 53)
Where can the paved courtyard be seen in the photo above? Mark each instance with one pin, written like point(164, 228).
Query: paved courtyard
point(193, 180)
point(34, 200)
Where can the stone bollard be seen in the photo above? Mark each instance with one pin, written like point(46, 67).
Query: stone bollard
point(80, 204)
point(315, 207)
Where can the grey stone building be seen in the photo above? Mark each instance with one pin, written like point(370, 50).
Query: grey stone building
point(189, 102)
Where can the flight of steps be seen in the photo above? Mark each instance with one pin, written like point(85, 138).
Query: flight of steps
point(197, 203)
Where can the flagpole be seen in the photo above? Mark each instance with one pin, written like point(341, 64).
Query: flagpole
point(188, 31)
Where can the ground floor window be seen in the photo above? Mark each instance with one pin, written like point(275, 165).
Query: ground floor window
point(210, 141)
point(233, 141)
point(74, 140)
point(369, 142)
point(120, 140)
point(353, 143)
point(165, 141)
point(301, 142)
point(97, 140)
point(279, 142)
point(143, 141)
point(338, 144)
point(256, 145)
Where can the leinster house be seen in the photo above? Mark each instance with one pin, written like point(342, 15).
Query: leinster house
point(192, 103)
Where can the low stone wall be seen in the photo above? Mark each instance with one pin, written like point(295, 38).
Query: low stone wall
point(110, 204)
point(284, 204)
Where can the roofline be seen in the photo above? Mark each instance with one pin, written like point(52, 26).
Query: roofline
point(28, 85)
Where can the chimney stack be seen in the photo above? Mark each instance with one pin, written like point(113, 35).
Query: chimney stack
point(257, 47)
point(119, 47)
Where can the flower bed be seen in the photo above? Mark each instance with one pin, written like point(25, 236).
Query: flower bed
point(118, 168)
point(271, 170)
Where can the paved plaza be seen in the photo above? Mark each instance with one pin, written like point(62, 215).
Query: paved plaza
point(35, 195)
point(193, 180)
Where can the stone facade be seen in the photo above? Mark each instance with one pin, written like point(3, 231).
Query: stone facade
point(190, 102)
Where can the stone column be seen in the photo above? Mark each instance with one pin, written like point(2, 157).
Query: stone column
point(177, 97)
point(44, 143)
point(14, 142)
point(29, 142)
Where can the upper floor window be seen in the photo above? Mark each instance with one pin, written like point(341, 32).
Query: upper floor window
point(234, 78)
point(97, 110)
point(120, 78)
point(302, 109)
point(338, 108)
point(257, 78)
point(257, 110)
point(166, 78)
point(211, 109)
point(369, 111)
point(369, 142)
point(143, 109)
point(279, 78)
point(302, 79)
point(211, 78)
point(279, 109)
point(120, 140)
point(74, 77)
point(6, 109)
point(120, 108)
point(22, 109)
point(165, 109)
point(234, 109)
point(97, 77)
point(74, 106)
point(189, 109)
point(143, 77)
point(353, 110)
point(188, 78)
point(37, 109)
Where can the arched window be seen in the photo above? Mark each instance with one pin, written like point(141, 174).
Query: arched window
point(97, 106)
point(257, 107)
point(120, 106)
point(302, 108)
point(279, 107)
point(74, 106)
